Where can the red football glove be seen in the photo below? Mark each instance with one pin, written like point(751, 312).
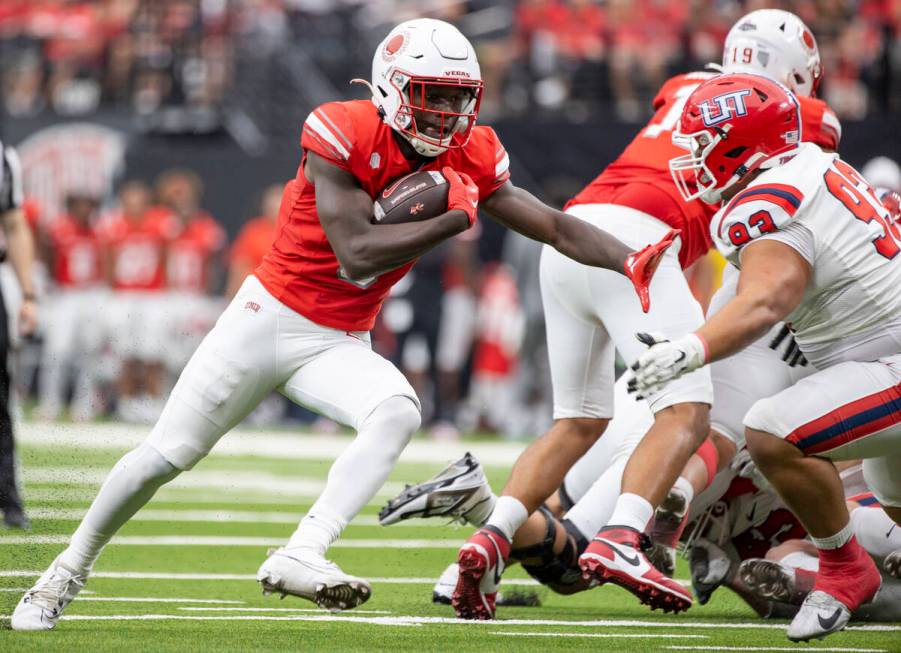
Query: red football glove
point(892, 201)
point(462, 193)
point(641, 265)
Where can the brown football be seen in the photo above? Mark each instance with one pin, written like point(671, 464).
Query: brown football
point(418, 196)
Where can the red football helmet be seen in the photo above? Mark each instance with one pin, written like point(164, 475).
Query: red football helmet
point(732, 125)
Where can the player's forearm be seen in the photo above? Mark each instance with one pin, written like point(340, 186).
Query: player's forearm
point(738, 324)
point(21, 249)
point(386, 247)
point(589, 245)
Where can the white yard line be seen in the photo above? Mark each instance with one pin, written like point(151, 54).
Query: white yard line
point(140, 575)
point(149, 599)
point(219, 516)
point(422, 621)
point(225, 481)
point(602, 635)
point(501, 623)
point(267, 444)
point(777, 648)
point(299, 610)
point(223, 540)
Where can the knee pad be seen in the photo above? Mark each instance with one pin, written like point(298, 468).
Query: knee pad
point(558, 571)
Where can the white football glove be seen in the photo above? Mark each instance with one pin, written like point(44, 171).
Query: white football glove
point(665, 361)
point(745, 467)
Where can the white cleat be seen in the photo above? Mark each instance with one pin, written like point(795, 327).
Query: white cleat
point(443, 591)
point(820, 614)
point(43, 604)
point(892, 564)
point(459, 491)
point(310, 576)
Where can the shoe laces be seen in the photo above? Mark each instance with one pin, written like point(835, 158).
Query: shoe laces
point(819, 599)
point(51, 593)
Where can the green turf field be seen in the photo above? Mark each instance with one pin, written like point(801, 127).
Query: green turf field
point(180, 577)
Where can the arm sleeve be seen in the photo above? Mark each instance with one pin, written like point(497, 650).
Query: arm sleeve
point(328, 132)
point(798, 237)
point(753, 213)
point(493, 169)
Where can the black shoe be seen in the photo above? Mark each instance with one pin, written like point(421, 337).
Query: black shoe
point(15, 518)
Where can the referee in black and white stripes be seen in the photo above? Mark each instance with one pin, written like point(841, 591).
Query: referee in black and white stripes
point(20, 254)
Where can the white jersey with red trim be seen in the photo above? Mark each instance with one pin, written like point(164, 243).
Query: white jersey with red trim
point(821, 207)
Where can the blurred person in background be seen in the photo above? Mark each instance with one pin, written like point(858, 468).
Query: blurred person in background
point(20, 251)
point(883, 173)
point(135, 240)
point(194, 263)
point(72, 251)
point(254, 240)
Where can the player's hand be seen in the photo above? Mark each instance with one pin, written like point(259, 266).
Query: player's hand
point(892, 201)
point(665, 361)
point(28, 318)
point(745, 467)
point(462, 193)
point(640, 266)
point(792, 354)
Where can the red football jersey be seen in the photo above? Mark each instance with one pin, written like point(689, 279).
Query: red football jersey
point(640, 178)
point(76, 254)
point(253, 241)
point(301, 269)
point(137, 249)
point(190, 252)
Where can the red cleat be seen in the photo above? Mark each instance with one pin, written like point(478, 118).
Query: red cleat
point(482, 560)
point(640, 266)
point(617, 555)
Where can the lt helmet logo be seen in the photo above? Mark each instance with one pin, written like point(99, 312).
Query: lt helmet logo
point(723, 107)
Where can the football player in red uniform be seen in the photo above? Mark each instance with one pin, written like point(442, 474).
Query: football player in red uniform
point(73, 252)
point(300, 323)
point(634, 196)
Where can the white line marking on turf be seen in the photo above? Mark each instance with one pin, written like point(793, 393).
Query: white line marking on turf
point(228, 516)
point(314, 610)
point(776, 648)
point(605, 635)
point(141, 575)
point(142, 599)
point(415, 620)
point(218, 540)
point(258, 443)
point(220, 480)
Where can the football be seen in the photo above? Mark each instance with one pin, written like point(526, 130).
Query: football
point(418, 196)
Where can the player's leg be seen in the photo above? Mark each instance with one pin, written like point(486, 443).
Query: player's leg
point(231, 371)
point(59, 330)
point(681, 417)
point(843, 412)
point(581, 364)
point(350, 384)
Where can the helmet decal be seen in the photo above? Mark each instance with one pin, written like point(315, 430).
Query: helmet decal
point(394, 46)
point(724, 107)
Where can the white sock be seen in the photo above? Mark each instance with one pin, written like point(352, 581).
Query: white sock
point(594, 509)
point(633, 511)
point(683, 485)
point(508, 515)
point(358, 473)
point(875, 531)
point(131, 484)
point(801, 560)
point(836, 541)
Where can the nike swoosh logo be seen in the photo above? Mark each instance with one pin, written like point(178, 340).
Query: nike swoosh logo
point(828, 624)
point(475, 203)
point(890, 530)
point(632, 560)
point(681, 357)
point(497, 564)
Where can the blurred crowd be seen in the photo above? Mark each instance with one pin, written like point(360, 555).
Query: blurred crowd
point(562, 57)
